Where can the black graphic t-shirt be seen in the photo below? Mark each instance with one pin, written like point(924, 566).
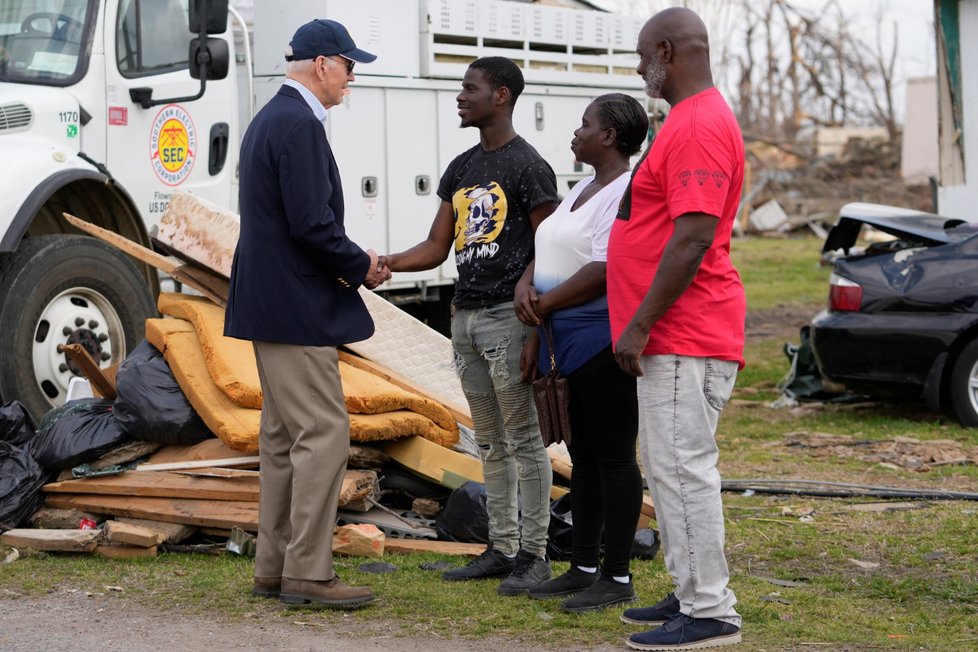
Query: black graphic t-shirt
point(493, 194)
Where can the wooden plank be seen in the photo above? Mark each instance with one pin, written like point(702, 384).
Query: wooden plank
point(245, 460)
point(364, 456)
point(79, 355)
point(209, 449)
point(459, 413)
point(59, 519)
point(158, 484)
point(124, 244)
point(134, 535)
point(435, 462)
point(148, 256)
point(410, 546)
point(223, 514)
point(57, 540)
point(168, 532)
point(120, 551)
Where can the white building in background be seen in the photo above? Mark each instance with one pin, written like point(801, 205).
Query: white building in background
point(919, 156)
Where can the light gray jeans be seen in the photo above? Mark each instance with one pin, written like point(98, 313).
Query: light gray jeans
point(679, 400)
point(488, 343)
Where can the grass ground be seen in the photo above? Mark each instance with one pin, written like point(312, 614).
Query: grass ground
point(809, 573)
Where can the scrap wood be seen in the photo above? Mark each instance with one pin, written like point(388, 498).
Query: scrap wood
point(204, 513)
point(365, 456)
point(55, 540)
point(160, 484)
point(240, 461)
point(209, 449)
point(79, 355)
point(59, 519)
point(169, 532)
point(148, 256)
point(133, 535)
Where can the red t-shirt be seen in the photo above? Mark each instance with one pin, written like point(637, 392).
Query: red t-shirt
point(696, 165)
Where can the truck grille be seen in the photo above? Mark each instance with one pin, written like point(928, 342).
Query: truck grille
point(14, 116)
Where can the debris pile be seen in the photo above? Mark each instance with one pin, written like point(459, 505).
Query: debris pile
point(168, 451)
point(899, 452)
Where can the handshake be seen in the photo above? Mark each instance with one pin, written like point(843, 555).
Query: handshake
point(378, 273)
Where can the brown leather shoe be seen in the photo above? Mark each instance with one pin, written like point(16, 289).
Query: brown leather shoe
point(267, 587)
point(328, 593)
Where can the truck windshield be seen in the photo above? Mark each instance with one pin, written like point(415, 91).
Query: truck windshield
point(45, 41)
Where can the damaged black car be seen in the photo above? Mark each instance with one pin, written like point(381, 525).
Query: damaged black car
point(902, 320)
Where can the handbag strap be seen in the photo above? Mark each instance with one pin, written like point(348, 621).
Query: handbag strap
point(550, 343)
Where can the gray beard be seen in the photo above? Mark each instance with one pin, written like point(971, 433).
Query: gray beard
point(655, 77)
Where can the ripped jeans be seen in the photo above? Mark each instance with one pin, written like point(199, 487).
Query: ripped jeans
point(488, 343)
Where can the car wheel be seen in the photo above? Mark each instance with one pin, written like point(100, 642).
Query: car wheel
point(964, 386)
point(58, 290)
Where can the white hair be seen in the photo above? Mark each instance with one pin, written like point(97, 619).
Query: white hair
point(298, 67)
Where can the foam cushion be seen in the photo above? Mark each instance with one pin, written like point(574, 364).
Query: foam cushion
point(238, 426)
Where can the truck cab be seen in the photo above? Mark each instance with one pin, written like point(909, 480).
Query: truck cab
point(97, 119)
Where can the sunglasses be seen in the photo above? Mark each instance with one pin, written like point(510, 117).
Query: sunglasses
point(349, 64)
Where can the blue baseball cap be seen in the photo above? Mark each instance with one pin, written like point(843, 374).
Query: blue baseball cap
point(322, 37)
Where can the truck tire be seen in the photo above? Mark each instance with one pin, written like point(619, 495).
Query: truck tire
point(60, 289)
point(963, 386)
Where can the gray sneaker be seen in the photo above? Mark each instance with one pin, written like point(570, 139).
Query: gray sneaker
point(491, 563)
point(529, 572)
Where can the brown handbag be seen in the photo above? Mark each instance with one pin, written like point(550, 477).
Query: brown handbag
point(552, 397)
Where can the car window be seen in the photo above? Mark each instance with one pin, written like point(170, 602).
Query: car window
point(45, 41)
point(152, 36)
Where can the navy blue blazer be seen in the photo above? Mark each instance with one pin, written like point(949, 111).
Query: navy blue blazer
point(295, 274)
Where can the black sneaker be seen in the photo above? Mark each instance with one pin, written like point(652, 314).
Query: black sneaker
point(529, 572)
point(606, 592)
point(685, 633)
point(569, 583)
point(657, 614)
point(491, 563)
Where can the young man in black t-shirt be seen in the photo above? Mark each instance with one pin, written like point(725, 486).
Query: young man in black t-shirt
point(493, 197)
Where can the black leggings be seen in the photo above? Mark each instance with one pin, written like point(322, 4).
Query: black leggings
point(606, 484)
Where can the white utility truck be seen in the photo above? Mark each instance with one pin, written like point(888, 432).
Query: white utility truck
point(107, 107)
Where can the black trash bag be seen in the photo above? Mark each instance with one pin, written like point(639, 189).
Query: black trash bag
point(77, 432)
point(399, 489)
point(560, 533)
point(21, 480)
point(16, 424)
point(150, 406)
point(645, 545)
point(465, 517)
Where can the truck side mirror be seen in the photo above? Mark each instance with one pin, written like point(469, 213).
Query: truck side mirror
point(213, 53)
point(208, 16)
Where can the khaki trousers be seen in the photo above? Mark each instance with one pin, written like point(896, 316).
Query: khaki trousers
point(304, 443)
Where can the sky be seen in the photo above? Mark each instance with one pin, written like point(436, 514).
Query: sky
point(913, 21)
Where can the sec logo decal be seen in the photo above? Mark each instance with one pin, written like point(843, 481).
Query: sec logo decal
point(173, 145)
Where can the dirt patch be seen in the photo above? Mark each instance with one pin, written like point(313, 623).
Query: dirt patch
point(78, 621)
point(781, 321)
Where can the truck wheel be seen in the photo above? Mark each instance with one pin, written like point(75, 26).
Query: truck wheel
point(963, 387)
point(65, 289)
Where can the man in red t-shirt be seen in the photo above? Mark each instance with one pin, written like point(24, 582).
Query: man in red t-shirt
point(677, 310)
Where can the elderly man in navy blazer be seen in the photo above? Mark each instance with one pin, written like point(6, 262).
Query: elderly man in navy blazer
point(294, 295)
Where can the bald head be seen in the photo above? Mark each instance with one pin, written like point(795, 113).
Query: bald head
point(675, 54)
